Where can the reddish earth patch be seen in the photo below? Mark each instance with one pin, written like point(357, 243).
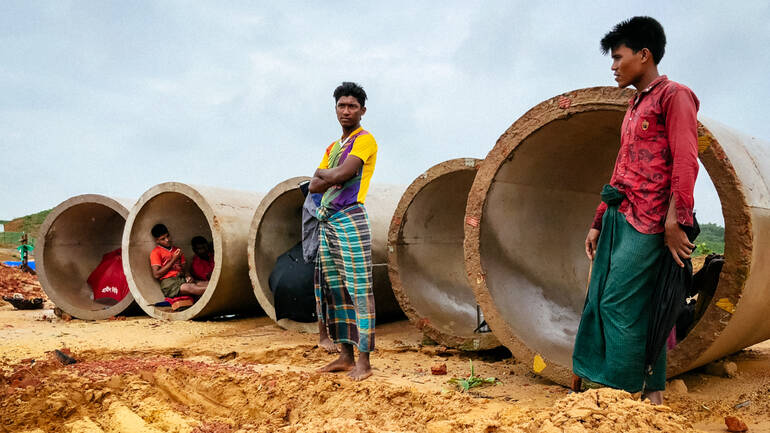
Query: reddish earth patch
point(13, 280)
point(438, 369)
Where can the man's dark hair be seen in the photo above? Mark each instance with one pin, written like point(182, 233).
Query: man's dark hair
point(637, 33)
point(199, 240)
point(158, 230)
point(349, 88)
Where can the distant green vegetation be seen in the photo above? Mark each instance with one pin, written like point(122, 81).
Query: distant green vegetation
point(710, 240)
point(27, 224)
point(13, 239)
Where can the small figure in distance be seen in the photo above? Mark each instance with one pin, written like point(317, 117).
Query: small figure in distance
point(167, 263)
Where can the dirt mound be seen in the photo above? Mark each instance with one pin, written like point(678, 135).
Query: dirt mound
point(13, 280)
point(168, 394)
point(163, 393)
point(604, 411)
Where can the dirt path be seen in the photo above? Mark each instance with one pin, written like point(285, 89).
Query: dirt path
point(8, 254)
point(248, 375)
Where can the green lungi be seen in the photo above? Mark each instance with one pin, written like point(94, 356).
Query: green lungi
point(611, 339)
point(343, 277)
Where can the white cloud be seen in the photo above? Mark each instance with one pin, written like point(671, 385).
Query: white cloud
point(239, 96)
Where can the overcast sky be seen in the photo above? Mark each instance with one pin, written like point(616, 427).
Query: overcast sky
point(115, 97)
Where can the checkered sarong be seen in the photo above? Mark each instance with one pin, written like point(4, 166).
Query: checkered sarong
point(343, 277)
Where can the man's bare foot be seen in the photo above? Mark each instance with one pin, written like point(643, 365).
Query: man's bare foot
point(363, 369)
point(360, 373)
point(344, 362)
point(328, 345)
point(655, 397)
point(324, 342)
point(577, 383)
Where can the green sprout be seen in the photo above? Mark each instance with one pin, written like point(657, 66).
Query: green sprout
point(471, 381)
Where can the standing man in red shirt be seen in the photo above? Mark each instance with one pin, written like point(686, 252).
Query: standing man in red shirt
point(649, 196)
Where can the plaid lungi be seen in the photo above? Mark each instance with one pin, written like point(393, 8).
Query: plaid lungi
point(343, 277)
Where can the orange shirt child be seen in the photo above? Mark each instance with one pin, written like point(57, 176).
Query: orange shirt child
point(160, 256)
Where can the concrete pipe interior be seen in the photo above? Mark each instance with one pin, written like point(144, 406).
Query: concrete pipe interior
point(426, 256)
point(541, 203)
point(277, 226)
point(185, 219)
point(75, 236)
point(539, 193)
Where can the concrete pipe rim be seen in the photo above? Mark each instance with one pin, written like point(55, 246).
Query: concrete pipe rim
point(562, 107)
point(739, 246)
point(263, 294)
point(40, 263)
point(421, 322)
point(191, 193)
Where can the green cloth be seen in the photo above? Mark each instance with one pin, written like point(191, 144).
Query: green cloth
point(24, 250)
point(611, 339)
point(170, 286)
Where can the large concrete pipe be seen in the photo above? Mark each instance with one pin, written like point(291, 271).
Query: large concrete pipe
point(425, 257)
point(277, 226)
point(71, 242)
point(533, 201)
point(219, 215)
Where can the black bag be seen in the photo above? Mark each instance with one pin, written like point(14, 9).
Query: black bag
point(292, 285)
point(669, 300)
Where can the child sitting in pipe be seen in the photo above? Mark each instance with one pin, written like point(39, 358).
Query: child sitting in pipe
point(203, 260)
point(167, 263)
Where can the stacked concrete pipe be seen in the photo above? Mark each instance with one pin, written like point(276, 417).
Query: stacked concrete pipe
point(71, 242)
point(276, 226)
point(534, 198)
point(425, 256)
point(219, 215)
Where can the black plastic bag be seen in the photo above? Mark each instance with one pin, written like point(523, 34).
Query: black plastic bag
point(292, 285)
point(669, 300)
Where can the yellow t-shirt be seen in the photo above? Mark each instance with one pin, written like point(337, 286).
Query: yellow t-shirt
point(362, 145)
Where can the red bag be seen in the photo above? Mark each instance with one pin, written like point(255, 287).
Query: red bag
point(108, 279)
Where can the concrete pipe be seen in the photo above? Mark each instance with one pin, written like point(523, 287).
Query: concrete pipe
point(532, 203)
point(425, 256)
point(219, 215)
point(71, 242)
point(277, 225)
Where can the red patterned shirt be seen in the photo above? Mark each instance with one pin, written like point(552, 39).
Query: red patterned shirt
point(658, 157)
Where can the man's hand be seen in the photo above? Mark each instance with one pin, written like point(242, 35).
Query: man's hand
point(318, 185)
point(677, 243)
point(175, 255)
point(675, 238)
point(340, 174)
point(591, 240)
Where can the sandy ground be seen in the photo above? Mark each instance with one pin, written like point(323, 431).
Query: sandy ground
point(8, 254)
point(139, 374)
